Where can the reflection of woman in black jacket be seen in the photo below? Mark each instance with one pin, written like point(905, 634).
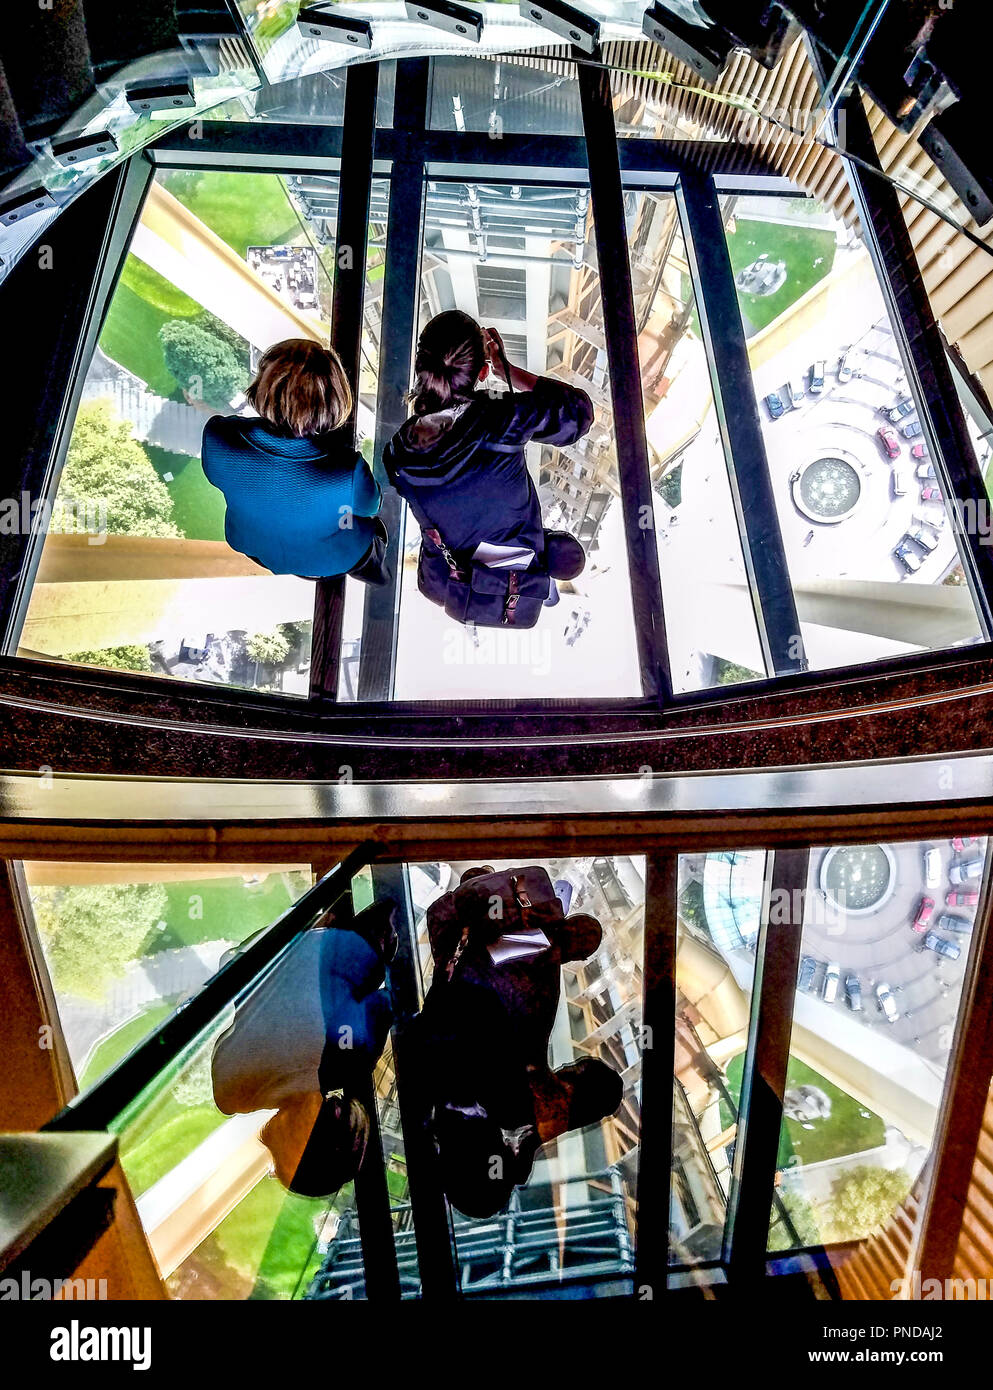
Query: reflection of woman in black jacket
point(459, 460)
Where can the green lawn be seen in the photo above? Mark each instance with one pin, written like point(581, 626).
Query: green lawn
point(118, 1044)
point(197, 506)
point(850, 1128)
point(212, 909)
point(142, 303)
point(178, 1131)
point(243, 209)
point(799, 247)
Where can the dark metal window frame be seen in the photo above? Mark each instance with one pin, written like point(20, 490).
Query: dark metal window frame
point(408, 152)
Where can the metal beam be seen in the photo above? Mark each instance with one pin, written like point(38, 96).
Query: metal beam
point(658, 1063)
point(738, 418)
point(429, 1207)
point(355, 186)
point(777, 958)
point(620, 328)
point(377, 653)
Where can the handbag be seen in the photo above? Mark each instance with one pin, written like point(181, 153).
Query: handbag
point(474, 593)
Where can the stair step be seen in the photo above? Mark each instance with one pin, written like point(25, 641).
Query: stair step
point(46, 58)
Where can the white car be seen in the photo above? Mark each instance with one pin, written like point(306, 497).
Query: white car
point(887, 1003)
point(932, 868)
point(832, 979)
point(845, 367)
point(900, 482)
point(796, 392)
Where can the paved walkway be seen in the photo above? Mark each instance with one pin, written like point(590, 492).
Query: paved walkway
point(170, 425)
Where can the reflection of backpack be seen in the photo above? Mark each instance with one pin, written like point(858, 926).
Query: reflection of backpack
point(509, 903)
point(475, 593)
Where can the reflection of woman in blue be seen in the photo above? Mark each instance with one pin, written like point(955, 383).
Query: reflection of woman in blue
point(305, 1042)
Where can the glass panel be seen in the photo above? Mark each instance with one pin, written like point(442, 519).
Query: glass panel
point(126, 944)
point(315, 99)
point(507, 95)
point(710, 622)
point(884, 957)
point(239, 1191)
point(529, 270)
point(875, 568)
point(135, 571)
point(720, 901)
point(575, 1214)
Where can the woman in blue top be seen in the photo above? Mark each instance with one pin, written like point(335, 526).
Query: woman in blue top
point(300, 498)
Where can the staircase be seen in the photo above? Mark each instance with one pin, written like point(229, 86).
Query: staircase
point(518, 1249)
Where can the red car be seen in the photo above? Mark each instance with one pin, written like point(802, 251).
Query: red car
point(923, 914)
point(930, 494)
point(918, 451)
point(962, 842)
point(889, 441)
point(956, 898)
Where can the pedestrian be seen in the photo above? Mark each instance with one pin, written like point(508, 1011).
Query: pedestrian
point(300, 498)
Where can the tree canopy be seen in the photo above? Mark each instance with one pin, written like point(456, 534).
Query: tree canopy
point(92, 932)
point(108, 472)
point(204, 364)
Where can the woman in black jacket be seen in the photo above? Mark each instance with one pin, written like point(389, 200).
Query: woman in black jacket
point(459, 460)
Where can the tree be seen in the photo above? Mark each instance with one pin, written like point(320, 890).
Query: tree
point(92, 932)
point(129, 658)
point(268, 648)
point(204, 365)
point(864, 1198)
point(109, 473)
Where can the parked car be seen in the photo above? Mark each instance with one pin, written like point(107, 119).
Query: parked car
point(889, 441)
point(934, 519)
point(949, 922)
point(808, 969)
point(918, 451)
point(932, 868)
point(887, 1003)
point(853, 993)
point(956, 898)
point(969, 868)
point(796, 392)
point(774, 405)
point(907, 555)
point(926, 473)
point(912, 429)
point(930, 492)
point(832, 979)
point(960, 843)
point(924, 913)
point(897, 412)
point(817, 377)
point(923, 538)
point(845, 367)
point(941, 947)
point(900, 482)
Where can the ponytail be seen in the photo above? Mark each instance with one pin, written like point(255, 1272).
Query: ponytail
point(450, 357)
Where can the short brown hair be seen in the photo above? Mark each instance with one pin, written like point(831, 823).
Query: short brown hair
point(301, 387)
